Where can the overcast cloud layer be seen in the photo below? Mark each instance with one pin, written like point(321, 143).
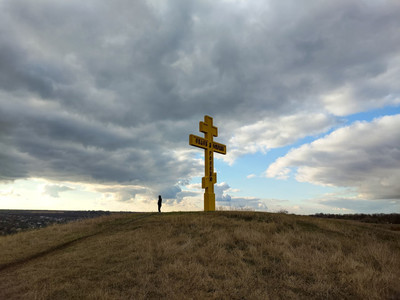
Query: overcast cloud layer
point(107, 92)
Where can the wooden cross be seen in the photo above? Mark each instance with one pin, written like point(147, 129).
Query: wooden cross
point(207, 143)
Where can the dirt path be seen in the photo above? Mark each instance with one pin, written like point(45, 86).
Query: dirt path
point(62, 246)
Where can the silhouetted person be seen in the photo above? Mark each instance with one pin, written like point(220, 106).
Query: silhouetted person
point(159, 203)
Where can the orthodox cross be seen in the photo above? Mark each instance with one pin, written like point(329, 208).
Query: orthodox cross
point(209, 146)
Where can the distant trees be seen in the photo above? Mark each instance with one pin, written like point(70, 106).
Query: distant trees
point(367, 218)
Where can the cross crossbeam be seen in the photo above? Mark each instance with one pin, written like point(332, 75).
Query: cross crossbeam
point(207, 143)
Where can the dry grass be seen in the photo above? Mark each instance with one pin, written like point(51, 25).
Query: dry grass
point(223, 255)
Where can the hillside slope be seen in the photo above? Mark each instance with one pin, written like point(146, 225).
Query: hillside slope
point(224, 255)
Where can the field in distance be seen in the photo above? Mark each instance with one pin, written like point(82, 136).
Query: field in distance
point(13, 221)
point(224, 255)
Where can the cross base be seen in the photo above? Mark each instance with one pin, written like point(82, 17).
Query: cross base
point(209, 202)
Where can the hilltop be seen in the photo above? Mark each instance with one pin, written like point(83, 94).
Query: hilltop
point(224, 255)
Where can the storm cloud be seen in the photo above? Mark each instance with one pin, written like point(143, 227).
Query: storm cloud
point(108, 92)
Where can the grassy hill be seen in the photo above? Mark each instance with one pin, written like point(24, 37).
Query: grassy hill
point(224, 255)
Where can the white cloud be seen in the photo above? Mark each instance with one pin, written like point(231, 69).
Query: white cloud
point(340, 102)
point(346, 201)
point(221, 192)
point(276, 132)
point(54, 190)
point(364, 156)
point(242, 203)
point(9, 192)
point(121, 193)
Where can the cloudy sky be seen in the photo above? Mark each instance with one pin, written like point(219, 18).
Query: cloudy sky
point(98, 98)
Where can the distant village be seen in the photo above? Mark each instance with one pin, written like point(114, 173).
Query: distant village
point(14, 221)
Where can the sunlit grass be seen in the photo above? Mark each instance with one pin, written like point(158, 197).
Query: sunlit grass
point(224, 255)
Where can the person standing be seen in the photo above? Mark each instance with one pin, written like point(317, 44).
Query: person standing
point(159, 203)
